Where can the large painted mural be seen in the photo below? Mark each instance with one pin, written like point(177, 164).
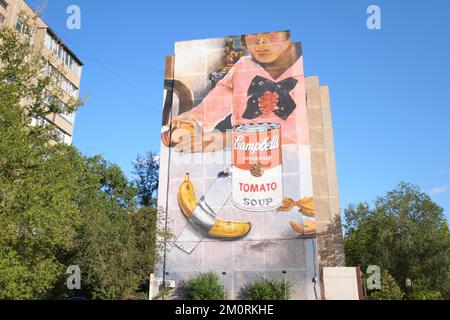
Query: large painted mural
point(235, 178)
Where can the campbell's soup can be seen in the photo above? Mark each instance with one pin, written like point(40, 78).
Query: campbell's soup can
point(257, 166)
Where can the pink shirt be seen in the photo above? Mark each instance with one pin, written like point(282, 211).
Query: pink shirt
point(230, 96)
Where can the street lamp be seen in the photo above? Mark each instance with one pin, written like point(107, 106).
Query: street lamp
point(408, 283)
point(223, 284)
point(165, 286)
point(285, 289)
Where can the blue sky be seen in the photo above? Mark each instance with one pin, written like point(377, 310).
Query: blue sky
point(390, 88)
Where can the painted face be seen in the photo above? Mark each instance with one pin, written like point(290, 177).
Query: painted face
point(267, 47)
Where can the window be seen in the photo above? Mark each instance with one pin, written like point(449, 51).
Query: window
point(19, 25)
point(61, 136)
point(61, 81)
point(62, 53)
point(50, 99)
point(40, 122)
point(48, 41)
point(3, 4)
point(2, 18)
point(69, 117)
point(23, 28)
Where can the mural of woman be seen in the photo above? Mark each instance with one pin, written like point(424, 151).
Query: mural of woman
point(266, 86)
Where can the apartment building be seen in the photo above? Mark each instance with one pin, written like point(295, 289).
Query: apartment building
point(63, 65)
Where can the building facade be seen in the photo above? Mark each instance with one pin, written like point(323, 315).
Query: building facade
point(253, 193)
point(62, 64)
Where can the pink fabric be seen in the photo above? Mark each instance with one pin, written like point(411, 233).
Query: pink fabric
point(230, 96)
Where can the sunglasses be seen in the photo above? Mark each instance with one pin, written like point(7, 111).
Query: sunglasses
point(253, 39)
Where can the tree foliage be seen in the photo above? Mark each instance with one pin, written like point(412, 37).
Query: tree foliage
point(38, 180)
point(406, 234)
point(147, 178)
point(57, 207)
point(117, 249)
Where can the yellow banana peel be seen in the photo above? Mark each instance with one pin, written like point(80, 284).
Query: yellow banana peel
point(222, 229)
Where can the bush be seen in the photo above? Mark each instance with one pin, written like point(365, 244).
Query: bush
point(267, 289)
point(390, 290)
point(205, 286)
point(421, 290)
point(426, 295)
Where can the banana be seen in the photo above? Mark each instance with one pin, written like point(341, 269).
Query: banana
point(221, 229)
point(186, 197)
point(229, 229)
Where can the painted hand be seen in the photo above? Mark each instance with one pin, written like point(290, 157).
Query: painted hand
point(197, 142)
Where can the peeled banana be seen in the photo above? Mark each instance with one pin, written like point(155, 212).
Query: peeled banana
point(229, 229)
point(221, 229)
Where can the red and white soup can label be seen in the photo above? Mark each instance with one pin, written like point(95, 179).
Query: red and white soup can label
point(257, 166)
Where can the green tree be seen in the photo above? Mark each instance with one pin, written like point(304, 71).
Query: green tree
point(117, 246)
point(38, 179)
point(57, 207)
point(405, 233)
point(205, 286)
point(146, 170)
point(267, 289)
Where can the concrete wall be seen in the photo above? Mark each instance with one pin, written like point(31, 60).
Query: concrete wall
point(244, 261)
point(341, 283)
point(325, 184)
